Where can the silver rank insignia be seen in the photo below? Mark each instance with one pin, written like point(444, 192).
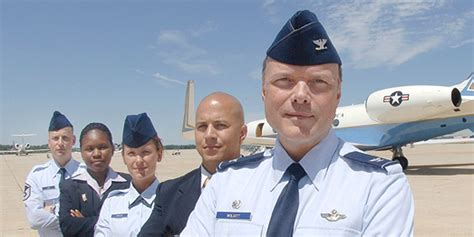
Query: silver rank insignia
point(333, 216)
point(320, 44)
point(84, 197)
point(236, 204)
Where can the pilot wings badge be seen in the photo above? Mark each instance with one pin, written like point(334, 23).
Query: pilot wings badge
point(333, 216)
point(320, 44)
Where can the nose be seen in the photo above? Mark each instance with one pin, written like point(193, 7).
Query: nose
point(96, 153)
point(301, 93)
point(140, 160)
point(210, 132)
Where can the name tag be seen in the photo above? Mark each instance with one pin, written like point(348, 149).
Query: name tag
point(121, 215)
point(234, 215)
point(48, 187)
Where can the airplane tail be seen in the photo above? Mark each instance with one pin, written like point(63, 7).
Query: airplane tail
point(189, 117)
point(467, 87)
point(467, 94)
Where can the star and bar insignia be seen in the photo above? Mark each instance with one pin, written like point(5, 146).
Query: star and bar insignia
point(396, 98)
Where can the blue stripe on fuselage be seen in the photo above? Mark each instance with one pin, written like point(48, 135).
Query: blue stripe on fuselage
point(390, 135)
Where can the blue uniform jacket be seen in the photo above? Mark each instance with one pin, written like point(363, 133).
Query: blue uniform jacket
point(175, 200)
point(77, 194)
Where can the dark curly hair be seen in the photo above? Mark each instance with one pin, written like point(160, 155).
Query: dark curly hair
point(98, 126)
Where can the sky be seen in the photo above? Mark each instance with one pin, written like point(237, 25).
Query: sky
point(100, 60)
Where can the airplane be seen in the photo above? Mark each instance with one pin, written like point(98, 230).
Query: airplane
point(22, 148)
point(388, 119)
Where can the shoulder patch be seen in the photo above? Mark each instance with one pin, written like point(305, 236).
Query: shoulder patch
point(26, 192)
point(369, 160)
point(241, 162)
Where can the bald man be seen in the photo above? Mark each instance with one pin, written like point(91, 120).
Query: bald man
point(219, 132)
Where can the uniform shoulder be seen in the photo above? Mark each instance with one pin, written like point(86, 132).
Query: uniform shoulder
point(117, 193)
point(241, 162)
point(374, 162)
point(38, 168)
point(189, 175)
point(125, 176)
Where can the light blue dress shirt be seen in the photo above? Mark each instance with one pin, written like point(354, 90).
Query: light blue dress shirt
point(338, 197)
point(125, 211)
point(41, 189)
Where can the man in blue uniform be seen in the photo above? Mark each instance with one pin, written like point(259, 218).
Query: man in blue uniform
point(312, 183)
point(41, 194)
point(219, 132)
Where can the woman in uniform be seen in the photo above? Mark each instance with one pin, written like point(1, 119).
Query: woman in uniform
point(125, 211)
point(82, 196)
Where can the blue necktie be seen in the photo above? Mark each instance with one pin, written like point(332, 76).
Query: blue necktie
point(62, 171)
point(284, 213)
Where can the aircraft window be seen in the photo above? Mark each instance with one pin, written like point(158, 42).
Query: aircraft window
point(335, 123)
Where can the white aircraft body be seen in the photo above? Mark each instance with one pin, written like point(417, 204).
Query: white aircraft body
point(389, 118)
point(23, 148)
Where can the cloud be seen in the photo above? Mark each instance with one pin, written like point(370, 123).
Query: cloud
point(161, 79)
point(370, 34)
point(460, 44)
point(164, 78)
point(176, 48)
point(385, 33)
point(205, 28)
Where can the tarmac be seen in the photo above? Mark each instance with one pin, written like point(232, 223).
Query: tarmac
point(441, 177)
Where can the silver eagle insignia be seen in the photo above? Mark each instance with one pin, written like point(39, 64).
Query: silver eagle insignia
point(320, 44)
point(333, 216)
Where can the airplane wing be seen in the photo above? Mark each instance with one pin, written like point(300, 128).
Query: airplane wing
point(10, 152)
point(37, 151)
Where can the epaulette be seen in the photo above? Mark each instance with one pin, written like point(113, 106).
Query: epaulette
point(241, 162)
point(40, 167)
point(117, 192)
point(369, 160)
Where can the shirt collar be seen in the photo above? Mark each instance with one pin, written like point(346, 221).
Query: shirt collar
point(315, 162)
point(71, 167)
point(112, 176)
point(204, 175)
point(148, 196)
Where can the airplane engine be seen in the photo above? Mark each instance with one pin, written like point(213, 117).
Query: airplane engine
point(410, 103)
point(17, 146)
point(260, 128)
point(27, 145)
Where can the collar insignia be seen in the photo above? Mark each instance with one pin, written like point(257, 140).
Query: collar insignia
point(236, 204)
point(333, 216)
point(377, 159)
point(320, 44)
